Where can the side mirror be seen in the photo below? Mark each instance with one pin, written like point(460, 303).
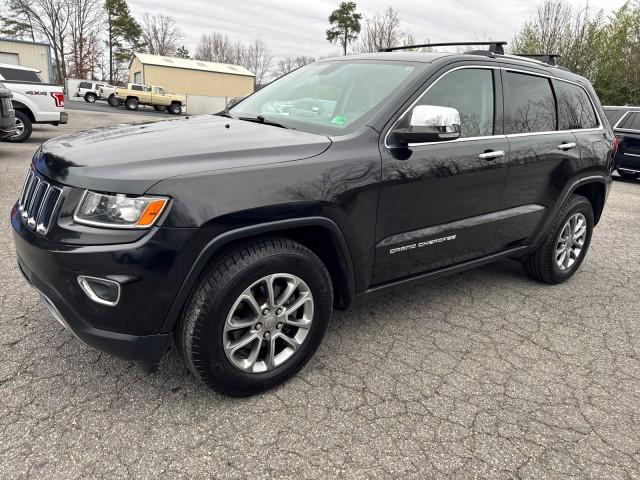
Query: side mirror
point(430, 123)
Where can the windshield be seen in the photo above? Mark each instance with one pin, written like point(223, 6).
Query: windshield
point(330, 98)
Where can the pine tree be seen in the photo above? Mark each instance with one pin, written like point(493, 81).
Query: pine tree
point(182, 52)
point(123, 34)
point(345, 25)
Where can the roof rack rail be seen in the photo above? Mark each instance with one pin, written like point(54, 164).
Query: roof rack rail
point(548, 58)
point(494, 47)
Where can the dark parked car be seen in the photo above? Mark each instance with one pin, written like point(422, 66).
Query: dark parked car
point(626, 126)
point(237, 235)
point(7, 114)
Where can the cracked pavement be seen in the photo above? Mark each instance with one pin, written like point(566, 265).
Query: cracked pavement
point(486, 374)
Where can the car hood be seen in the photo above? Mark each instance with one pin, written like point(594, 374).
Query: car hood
point(131, 158)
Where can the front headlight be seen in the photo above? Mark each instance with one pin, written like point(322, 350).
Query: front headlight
point(118, 210)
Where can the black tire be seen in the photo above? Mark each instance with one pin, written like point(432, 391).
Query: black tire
point(627, 175)
point(113, 100)
point(90, 97)
point(174, 109)
point(132, 103)
point(200, 333)
point(541, 264)
point(27, 128)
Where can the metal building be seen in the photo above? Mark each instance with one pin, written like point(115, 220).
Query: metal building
point(28, 54)
point(191, 77)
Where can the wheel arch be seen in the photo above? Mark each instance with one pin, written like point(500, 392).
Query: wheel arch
point(594, 188)
point(595, 191)
point(320, 234)
point(21, 106)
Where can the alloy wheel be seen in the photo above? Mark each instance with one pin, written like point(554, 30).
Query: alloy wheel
point(19, 128)
point(268, 323)
point(570, 242)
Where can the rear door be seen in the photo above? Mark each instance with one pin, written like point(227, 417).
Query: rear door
point(542, 159)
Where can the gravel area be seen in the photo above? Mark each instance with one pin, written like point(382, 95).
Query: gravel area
point(484, 374)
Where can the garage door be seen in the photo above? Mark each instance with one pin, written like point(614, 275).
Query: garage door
point(12, 58)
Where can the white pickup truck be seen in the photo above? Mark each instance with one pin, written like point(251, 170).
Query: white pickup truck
point(33, 100)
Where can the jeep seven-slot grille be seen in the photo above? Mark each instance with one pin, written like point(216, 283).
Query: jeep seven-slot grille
point(38, 203)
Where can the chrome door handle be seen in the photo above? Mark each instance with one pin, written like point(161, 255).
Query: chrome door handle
point(566, 146)
point(491, 155)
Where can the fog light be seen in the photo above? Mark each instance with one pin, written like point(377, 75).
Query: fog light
point(100, 290)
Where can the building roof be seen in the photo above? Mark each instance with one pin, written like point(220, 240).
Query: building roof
point(186, 63)
point(19, 67)
point(14, 40)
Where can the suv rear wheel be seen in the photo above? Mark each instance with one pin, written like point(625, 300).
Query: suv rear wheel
point(24, 127)
point(563, 250)
point(174, 109)
point(257, 317)
point(90, 97)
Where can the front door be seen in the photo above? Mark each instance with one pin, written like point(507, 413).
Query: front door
point(440, 201)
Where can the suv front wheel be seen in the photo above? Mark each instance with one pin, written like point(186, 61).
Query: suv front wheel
point(257, 317)
point(563, 250)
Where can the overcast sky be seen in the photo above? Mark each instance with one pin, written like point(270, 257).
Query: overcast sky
point(297, 27)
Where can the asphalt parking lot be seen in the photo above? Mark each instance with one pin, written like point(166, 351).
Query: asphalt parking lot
point(485, 374)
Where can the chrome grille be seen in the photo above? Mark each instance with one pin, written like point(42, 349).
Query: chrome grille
point(38, 203)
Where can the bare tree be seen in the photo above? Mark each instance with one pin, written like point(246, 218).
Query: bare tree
point(85, 25)
point(559, 28)
point(160, 35)
point(216, 47)
point(257, 59)
point(47, 19)
point(289, 64)
point(380, 31)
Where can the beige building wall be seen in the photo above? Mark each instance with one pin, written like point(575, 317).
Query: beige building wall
point(193, 82)
point(32, 55)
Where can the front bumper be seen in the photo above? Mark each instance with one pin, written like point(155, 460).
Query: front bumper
point(131, 330)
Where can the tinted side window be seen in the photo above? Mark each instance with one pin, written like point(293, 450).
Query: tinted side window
point(575, 110)
point(613, 115)
point(631, 121)
point(529, 105)
point(85, 85)
point(136, 87)
point(470, 91)
point(19, 75)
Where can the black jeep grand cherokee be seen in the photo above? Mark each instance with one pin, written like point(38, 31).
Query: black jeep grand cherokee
point(236, 236)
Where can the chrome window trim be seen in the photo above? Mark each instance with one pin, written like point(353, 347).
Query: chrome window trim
point(491, 67)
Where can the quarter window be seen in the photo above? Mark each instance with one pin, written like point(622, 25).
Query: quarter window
point(470, 91)
point(529, 105)
point(86, 85)
point(575, 110)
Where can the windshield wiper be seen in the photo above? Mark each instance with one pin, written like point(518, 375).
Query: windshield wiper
point(261, 119)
